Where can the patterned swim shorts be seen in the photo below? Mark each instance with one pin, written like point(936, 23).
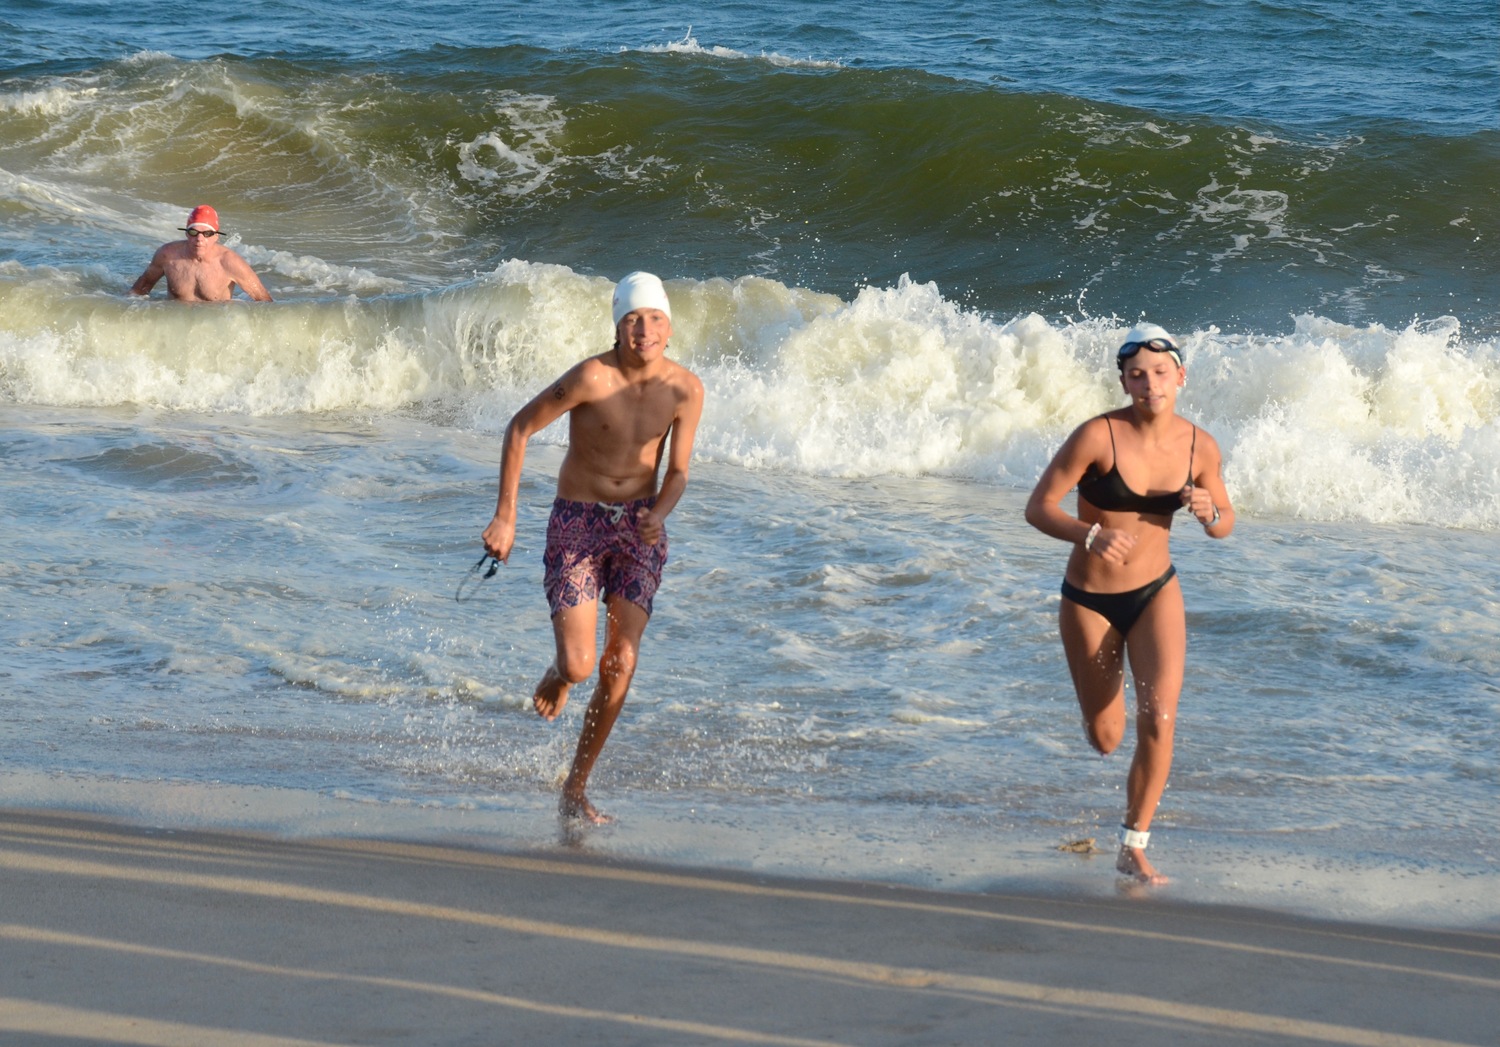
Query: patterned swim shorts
point(594, 548)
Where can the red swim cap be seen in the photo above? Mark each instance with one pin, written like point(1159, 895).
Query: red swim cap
point(203, 215)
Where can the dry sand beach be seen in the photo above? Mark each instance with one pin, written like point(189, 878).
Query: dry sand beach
point(112, 933)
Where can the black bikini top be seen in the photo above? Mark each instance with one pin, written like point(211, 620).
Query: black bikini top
point(1108, 492)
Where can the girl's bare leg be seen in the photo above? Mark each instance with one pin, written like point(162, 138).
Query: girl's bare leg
point(1157, 648)
point(1096, 660)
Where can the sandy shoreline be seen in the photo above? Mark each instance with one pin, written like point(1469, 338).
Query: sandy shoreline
point(1293, 875)
point(113, 933)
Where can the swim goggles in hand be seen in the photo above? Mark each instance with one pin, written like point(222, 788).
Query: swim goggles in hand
point(469, 584)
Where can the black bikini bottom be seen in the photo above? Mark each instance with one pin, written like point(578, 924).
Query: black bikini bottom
point(1120, 609)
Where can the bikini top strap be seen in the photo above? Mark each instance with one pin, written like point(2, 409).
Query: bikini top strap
point(1191, 448)
point(1114, 455)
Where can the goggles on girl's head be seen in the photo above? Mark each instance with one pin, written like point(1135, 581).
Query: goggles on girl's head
point(1156, 345)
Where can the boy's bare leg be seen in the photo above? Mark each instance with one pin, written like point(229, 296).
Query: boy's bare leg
point(551, 694)
point(573, 631)
point(625, 623)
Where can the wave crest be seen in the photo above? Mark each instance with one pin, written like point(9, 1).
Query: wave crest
point(1327, 421)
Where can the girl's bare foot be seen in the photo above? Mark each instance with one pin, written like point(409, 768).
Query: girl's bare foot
point(1134, 863)
point(576, 805)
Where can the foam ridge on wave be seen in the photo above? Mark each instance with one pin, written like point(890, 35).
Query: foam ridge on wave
point(689, 45)
point(1325, 420)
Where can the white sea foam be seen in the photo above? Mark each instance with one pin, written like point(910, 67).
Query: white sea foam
point(147, 58)
point(1326, 421)
point(689, 45)
point(520, 156)
point(316, 274)
point(52, 101)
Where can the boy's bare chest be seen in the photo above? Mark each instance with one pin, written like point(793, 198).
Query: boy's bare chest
point(628, 416)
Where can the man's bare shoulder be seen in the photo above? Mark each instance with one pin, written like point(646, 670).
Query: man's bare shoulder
point(600, 362)
point(595, 375)
point(682, 372)
point(680, 378)
point(232, 259)
point(585, 382)
point(600, 376)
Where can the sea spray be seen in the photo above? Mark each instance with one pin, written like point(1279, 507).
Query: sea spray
point(1326, 421)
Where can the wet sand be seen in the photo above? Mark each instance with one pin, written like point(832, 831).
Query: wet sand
point(112, 933)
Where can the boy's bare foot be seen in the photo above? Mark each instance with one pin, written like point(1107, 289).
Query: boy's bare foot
point(551, 694)
point(576, 805)
point(1133, 863)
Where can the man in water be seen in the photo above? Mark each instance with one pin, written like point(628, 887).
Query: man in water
point(198, 268)
point(628, 409)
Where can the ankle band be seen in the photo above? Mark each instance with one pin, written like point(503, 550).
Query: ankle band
point(1130, 838)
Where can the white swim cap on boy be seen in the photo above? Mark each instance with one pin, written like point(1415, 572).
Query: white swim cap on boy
point(640, 291)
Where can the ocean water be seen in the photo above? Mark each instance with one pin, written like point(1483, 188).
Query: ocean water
point(901, 245)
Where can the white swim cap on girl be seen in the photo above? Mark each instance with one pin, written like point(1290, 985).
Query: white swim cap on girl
point(1149, 336)
point(640, 291)
point(1147, 333)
